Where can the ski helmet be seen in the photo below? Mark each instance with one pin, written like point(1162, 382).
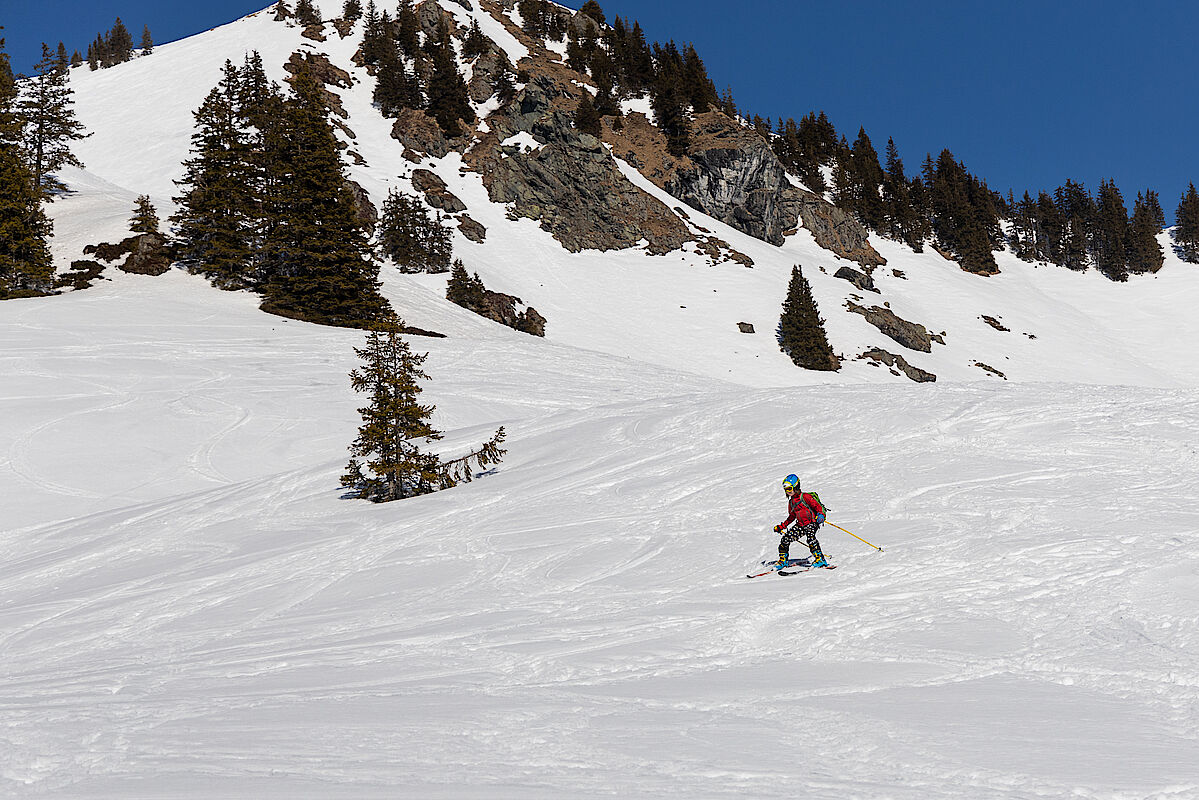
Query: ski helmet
point(791, 482)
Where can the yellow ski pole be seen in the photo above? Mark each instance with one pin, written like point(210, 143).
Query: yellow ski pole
point(854, 535)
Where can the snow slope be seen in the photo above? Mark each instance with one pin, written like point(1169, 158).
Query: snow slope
point(191, 609)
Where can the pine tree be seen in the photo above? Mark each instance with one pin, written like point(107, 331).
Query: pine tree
point(1109, 234)
point(120, 43)
point(1144, 252)
point(25, 264)
point(315, 262)
point(801, 330)
point(147, 41)
point(306, 14)
point(411, 237)
point(1076, 208)
point(93, 57)
point(668, 99)
point(1186, 222)
point(592, 9)
point(47, 112)
point(448, 98)
point(218, 210)
point(962, 213)
point(464, 290)
point(587, 119)
point(395, 89)
point(76, 59)
point(475, 44)
point(351, 10)
point(395, 426)
point(62, 61)
point(145, 217)
point(408, 29)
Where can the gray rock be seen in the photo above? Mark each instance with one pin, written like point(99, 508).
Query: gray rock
point(364, 209)
point(911, 335)
point(745, 327)
point(436, 192)
point(419, 134)
point(571, 184)
point(475, 231)
point(858, 279)
point(899, 363)
point(731, 173)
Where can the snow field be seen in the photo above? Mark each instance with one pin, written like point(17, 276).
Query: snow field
point(199, 612)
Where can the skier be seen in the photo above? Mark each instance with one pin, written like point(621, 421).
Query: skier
point(808, 515)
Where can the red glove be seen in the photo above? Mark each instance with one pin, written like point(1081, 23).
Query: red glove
point(780, 528)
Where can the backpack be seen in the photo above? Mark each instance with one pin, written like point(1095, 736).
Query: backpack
point(819, 501)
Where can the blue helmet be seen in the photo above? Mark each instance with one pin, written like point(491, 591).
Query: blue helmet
point(791, 482)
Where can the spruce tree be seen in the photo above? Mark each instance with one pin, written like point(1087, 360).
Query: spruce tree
point(25, 264)
point(395, 426)
point(587, 119)
point(668, 99)
point(411, 237)
point(219, 208)
point(447, 95)
point(801, 330)
point(475, 44)
point(145, 216)
point(315, 261)
point(47, 113)
point(1186, 222)
point(147, 41)
point(351, 10)
point(464, 290)
point(306, 14)
point(76, 59)
point(119, 43)
point(1144, 252)
point(1109, 234)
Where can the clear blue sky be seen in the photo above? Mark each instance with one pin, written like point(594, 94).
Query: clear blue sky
point(1027, 92)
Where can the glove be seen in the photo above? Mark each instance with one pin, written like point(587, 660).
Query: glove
point(779, 528)
point(820, 519)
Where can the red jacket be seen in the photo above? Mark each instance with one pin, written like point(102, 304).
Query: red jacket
point(802, 508)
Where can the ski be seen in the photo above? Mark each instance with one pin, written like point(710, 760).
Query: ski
point(807, 569)
point(774, 566)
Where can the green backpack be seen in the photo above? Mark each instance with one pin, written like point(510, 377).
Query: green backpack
point(819, 501)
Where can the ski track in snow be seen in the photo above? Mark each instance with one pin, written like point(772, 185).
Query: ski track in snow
point(191, 609)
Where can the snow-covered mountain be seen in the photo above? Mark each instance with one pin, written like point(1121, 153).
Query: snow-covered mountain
point(191, 609)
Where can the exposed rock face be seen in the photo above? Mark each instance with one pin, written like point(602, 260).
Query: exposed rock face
point(485, 73)
point(570, 184)
point(314, 32)
point(899, 364)
point(419, 134)
point(430, 15)
point(909, 334)
point(436, 192)
point(731, 173)
point(475, 231)
point(364, 209)
point(326, 74)
point(858, 279)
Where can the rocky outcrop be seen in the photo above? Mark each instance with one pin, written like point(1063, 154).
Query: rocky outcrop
point(419, 134)
point(858, 279)
point(485, 73)
point(911, 335)
point(430, 15)
point(436, 192)
point(569, 183)
point(475, 231)
point(323, 70)
point(731, 173)
point(145, 254)
point(899, 364)
point(364, 209)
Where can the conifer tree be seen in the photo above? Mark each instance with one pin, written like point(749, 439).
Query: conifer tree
point(47, 113)
point(93, 57)
point(1077, 210)
point(315, 261)
point(395, 89)
point(119, 43)
point(801, 330)
point(1110, 233)
point(475, 44)
point(1144, 252)
point(219, 208)
point(961, 214)
point(25, 264)
point(464, 290)
point(668, 99)
point(76, 59)
point(1186, 230)
point(147, 41)
point(145, 216)
point(408, 29)
point(592, 9)
point(415, 240)
point(62, 61)
point(351, 10)
point(587, 119)
point(395, 426)
point(448, 98)
point(306, 14)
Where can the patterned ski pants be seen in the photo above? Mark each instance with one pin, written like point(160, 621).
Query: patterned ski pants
point(806, 532)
